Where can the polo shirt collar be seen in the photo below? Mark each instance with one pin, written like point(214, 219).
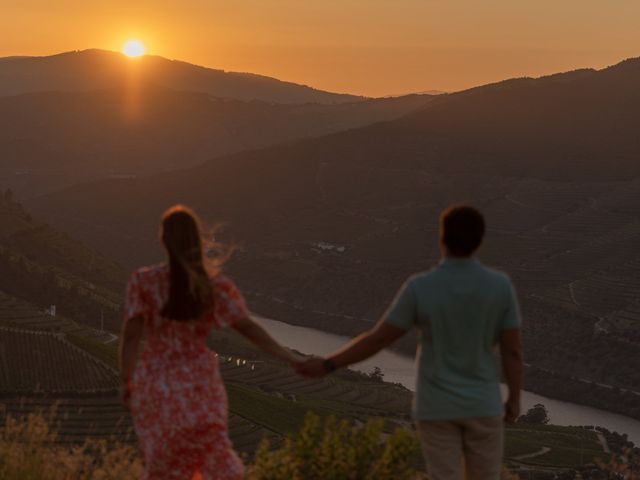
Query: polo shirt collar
point(458, 261)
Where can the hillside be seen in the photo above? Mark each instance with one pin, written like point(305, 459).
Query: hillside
point(46, 267)
point(318, 216)
point(267, 399)
point(45, 362)
point(49, 140)
point(51, 361)
point(94, 69)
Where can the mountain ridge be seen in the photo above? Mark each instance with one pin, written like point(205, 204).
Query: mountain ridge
point(49, 140)
point(94, 69)
point(429, 139)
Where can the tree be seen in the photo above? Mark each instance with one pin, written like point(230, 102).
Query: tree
point(536, 415)
point(376, 374)
point(336, 449)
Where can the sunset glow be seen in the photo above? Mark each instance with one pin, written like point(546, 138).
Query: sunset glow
point(133, 48)
point(386, 48)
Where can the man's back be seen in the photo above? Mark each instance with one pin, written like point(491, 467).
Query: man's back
point(459, 307)
point(462, 310)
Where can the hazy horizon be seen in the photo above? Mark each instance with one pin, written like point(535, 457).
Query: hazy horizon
point(387, 48)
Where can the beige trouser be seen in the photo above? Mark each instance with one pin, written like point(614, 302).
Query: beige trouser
point(474, 445)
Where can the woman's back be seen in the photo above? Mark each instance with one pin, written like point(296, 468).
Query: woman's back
point(147, 294)
point(177, 398)
point(178, 395)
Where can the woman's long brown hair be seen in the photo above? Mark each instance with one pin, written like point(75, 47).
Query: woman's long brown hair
point(190, 289)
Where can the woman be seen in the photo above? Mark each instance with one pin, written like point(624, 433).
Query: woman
point(175, 392)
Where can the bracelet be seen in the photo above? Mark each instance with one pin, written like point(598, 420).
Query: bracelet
point(329, 365)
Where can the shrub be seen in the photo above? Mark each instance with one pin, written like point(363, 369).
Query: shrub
point(333, 449)
point(536, 415)
point(624, 466)
point(340, 451)
point(27, 452)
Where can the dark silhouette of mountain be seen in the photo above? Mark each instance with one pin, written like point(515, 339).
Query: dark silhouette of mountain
point(55, 139)
point(100, 69)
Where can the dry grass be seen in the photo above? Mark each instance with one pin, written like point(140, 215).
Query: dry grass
point(28, 452)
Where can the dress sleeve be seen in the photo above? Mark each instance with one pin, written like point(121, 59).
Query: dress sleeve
point(136, 304)
point(230, 305)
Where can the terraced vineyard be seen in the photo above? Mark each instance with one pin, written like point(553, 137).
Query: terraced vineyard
point(358, 398)
point(626, 321)
point(68, 371)
point(546, 446)
point(610, 289)
point(37, 361)
point(75, 418)
point(23, 315)
point(102, 417)
point(267, 399)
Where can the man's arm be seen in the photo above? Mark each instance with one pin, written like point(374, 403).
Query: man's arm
point(360, 348)
point(512, 365)
point(367, 344)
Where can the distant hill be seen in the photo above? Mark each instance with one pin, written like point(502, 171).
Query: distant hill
point(94, 69)
point(53, 139)
point(331, 226)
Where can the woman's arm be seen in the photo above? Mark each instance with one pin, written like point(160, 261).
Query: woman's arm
point(256, 333)
point(360, 348)
point(129, 343)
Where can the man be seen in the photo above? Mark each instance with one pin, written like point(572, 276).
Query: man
point(461, 310)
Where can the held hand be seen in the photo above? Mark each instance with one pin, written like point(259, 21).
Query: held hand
point(512, 410)
point(312, 367)
point(296, 358)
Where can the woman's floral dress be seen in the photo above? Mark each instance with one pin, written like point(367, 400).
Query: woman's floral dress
point(178, 399)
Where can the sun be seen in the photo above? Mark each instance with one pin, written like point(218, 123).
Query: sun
point(133, 48)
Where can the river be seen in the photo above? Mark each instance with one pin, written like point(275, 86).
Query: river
point(401, 369)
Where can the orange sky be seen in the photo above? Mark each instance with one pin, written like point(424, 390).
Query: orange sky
point(370, 47)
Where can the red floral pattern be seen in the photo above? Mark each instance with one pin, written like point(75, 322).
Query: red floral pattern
point(178, 399)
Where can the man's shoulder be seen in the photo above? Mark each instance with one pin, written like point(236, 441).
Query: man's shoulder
point(423, 279)
point(496, 276)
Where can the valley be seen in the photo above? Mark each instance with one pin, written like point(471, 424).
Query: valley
point(152, 116)
point(267, 399)
point(331, 202)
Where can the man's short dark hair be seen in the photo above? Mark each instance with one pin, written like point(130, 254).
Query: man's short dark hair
point(461, 229)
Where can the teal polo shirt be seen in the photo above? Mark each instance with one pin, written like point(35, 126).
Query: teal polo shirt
point(459, 309)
